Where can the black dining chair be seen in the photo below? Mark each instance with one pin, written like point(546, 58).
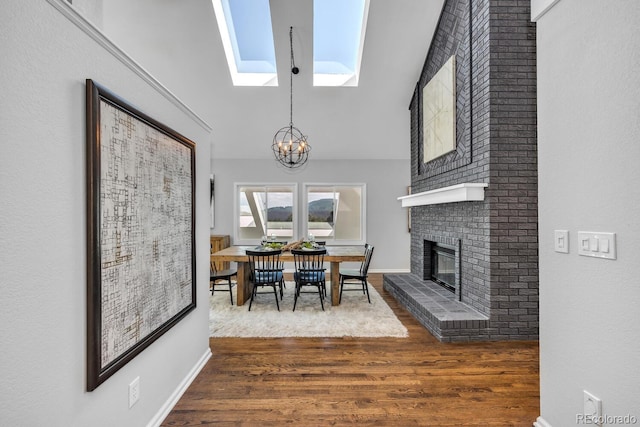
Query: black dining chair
point(281, 243)
point(309, 271)
point(357, 277)
point(266, 270)
point(221, 278)
point(321, 245)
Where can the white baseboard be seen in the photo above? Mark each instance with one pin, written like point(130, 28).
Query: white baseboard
point(540, 422)
point(179, 391)
point(390, 270)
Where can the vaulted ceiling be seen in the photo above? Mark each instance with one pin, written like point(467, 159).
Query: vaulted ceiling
point(370, 121)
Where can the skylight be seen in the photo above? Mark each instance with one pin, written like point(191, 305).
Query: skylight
point(248, 41)
point(338, 39)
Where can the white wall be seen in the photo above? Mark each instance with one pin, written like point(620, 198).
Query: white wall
point(385, 179)
point(45, 61)
point(589, 148)
point(172, 40)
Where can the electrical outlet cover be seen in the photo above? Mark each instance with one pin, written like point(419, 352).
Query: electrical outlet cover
point(592, 409)
point(134, 391)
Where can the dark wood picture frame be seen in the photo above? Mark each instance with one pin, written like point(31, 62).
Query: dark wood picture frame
point(141, 277)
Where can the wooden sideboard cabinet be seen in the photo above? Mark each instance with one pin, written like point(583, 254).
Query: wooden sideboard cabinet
point(217, 244)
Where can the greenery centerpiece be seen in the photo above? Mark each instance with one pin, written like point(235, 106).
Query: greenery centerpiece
point(273, 245)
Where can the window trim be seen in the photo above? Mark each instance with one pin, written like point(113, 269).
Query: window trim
point(265, 185)
point(304, 227)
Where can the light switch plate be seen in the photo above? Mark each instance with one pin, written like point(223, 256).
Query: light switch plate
point(561, 241)
point(597, 244)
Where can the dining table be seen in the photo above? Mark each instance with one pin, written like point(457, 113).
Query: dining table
point(335, 255)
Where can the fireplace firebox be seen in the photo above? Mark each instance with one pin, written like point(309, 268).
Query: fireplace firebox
point(443, 266)
point(441, 263)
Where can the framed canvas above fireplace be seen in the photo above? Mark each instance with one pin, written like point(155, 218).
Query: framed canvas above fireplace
point(439, 112)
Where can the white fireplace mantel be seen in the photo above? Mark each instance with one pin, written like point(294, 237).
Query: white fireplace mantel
point(466, 192)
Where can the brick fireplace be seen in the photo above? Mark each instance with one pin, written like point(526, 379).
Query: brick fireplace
point(495, 280)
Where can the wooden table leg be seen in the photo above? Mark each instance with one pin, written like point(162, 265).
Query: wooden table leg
point(335, 283)
point(243, 288)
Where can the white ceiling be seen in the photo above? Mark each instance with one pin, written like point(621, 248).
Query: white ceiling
point(370, 121)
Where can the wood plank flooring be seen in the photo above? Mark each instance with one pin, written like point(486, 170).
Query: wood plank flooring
point(415, 381)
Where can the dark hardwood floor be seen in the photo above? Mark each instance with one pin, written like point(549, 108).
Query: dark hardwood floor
point(414, 381)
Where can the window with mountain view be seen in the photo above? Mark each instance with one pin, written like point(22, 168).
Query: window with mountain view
point(335, 213)
point(332, 213)
point(265, 211)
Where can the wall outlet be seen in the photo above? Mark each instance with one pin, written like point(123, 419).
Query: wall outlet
point(592, 409)
point(134, 391)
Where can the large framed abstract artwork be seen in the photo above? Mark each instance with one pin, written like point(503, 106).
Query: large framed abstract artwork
point(140, 231)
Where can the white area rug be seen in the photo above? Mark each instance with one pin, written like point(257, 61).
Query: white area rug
point(354, 317)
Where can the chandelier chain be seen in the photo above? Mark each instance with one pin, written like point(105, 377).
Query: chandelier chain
point(293, 64)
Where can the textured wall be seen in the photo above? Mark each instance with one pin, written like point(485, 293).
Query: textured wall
point(46, 59)
point(512, 198)
point(588, 92)
point(494, 44)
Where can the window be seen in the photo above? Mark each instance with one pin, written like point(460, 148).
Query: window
point(339, 29)
point(265, 211)
point(247, 38)
point(335, 213)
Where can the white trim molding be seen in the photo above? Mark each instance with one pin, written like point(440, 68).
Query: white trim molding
point(540, 422)
point(390, 270)
point(540, 7)
point(92, 31)
point(179, 391)
point(466, 192)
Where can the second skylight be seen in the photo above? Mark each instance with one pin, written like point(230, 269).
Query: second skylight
point(338, 39)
